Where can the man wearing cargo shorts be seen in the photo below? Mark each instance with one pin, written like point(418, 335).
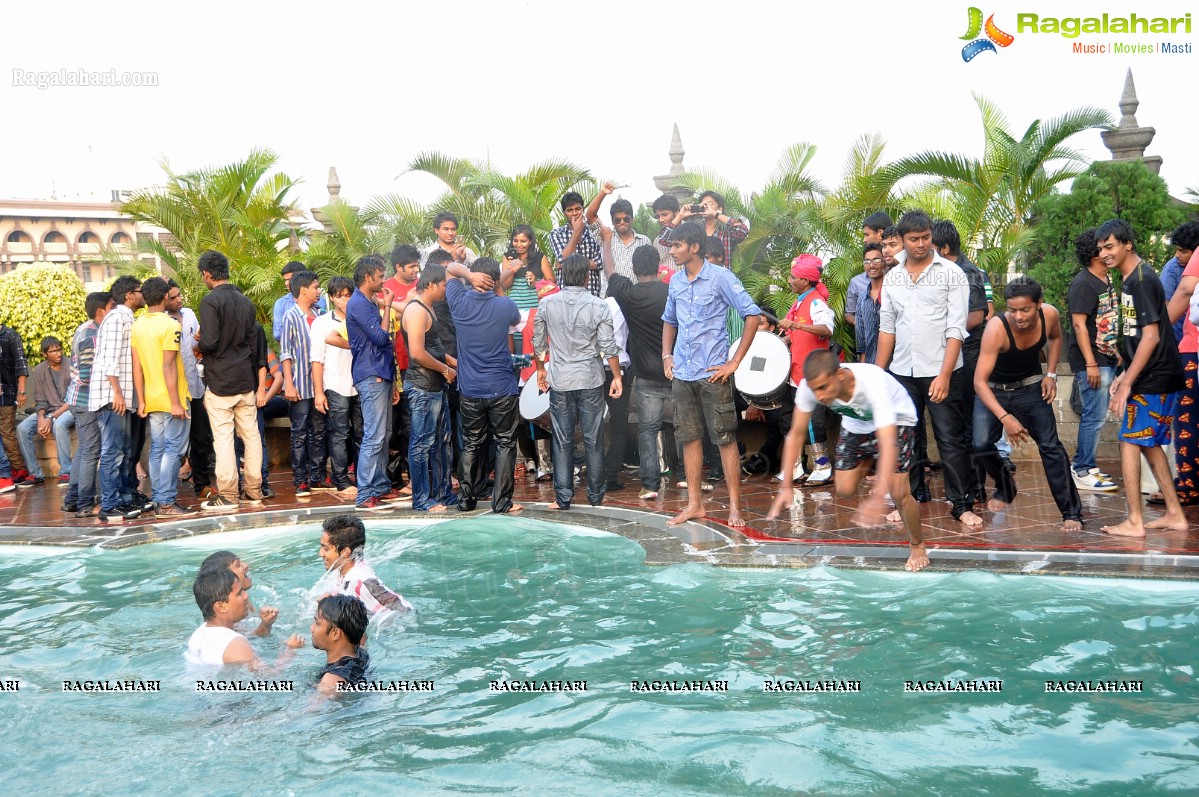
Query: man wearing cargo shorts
point(695, 358)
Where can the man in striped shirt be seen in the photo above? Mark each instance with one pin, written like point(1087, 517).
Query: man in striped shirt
point(307, 425)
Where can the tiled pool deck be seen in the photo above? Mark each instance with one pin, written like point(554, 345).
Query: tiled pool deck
point(1023, 539)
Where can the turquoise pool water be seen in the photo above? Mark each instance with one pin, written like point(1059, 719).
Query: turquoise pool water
point(518, 599)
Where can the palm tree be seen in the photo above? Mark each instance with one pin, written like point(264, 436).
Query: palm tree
point(241, 210)
point(991, 199)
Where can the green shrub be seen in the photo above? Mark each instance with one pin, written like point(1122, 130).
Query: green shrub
point(40, 299)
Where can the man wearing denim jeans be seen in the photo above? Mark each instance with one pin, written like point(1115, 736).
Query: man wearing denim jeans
point(574, 328)
point(52, 414)
point(333, 381)
point(643, 303)
point(307, 425)
point(112, 398)
point(1094, 319)
point(81, 495)
point(1013, 396)
point(161, 387)
point(429, 370)
point(374, 374)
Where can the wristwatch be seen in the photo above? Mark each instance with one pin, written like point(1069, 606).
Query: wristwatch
point(1051, 376)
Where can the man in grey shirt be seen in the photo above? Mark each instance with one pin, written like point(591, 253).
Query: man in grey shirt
point(922, 323)
point(574, 330)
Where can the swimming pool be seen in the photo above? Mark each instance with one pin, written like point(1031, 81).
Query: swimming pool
point(503, 599)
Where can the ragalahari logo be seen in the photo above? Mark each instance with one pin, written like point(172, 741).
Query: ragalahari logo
point(981, 45)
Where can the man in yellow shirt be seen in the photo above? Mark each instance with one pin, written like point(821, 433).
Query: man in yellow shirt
point(162, 396)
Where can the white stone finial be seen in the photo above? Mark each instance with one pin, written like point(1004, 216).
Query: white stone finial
point(1129, 102)
point(334, 185)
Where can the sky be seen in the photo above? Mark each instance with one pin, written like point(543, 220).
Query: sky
point(367, 87)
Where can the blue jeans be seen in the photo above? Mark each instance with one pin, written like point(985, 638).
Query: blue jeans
point(27, 429)
point(1094, 413)
point(113, 492)
point(430, 460)
point(168, 436)
point(307, 443)
point(84, 468)
point(343, 418)
point(586, 407)
point(374, 395)
point(651, 399)
point(1036, 415)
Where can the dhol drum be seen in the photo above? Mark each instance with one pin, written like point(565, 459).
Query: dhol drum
point(762, 377)
point(535, 405)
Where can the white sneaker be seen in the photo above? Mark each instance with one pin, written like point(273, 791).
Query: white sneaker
point(797, 475)
point(1092, 483)
point(1100, 474)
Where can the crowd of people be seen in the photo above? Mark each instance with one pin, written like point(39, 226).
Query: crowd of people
point(405, 383)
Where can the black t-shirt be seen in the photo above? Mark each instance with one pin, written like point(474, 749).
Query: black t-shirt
point(417, 375)
point(1097, 299)
point(350, 668)
point(1143, 302)
point(978, 301)
point(642, 304)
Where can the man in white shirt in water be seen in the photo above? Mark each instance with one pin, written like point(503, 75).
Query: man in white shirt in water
point(342, 543)
point(224, 603)
point(878, 425)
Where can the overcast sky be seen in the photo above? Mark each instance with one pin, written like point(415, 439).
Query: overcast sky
point(366, 87)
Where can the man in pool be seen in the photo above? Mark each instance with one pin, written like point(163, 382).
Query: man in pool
point(878, 426)
point(224, 603)
point(222, 560)
point(343, 542)
point(339, 629)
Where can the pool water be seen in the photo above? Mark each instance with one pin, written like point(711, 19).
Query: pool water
point(502, 598)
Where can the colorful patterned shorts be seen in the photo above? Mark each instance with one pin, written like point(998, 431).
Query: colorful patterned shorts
point(853, 449)
point(1148, 419)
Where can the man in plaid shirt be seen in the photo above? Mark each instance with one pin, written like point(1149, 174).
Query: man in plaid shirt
point(122, 431)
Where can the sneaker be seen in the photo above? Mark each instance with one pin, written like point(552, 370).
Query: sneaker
point(1088, 482)
point(249, 499)
point(175, 511)
point(544, 475)
point(64, 480)
point(327, 484)
point(31, 481)
point(647, 495)
point(142, 501)
point(207, 493)
point(798, 475)
point(1100, 474)
point(69, 507)
point(394, 496)
point(218, 503)
point(303, 490)
point(1008, 465)
point(132, 508)
point(118, 515)
point(6, 485)
point(19, 476)
point(267, 492)
point(87, 511)
point(372, 505)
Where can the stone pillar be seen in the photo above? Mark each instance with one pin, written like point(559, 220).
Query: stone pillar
point(1129, 140)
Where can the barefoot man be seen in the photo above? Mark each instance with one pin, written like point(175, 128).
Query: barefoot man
point(1146, 394)
point(878, 427)
point(695, 357)
point(1014, 397)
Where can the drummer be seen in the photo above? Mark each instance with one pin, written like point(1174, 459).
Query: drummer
point(809, 325)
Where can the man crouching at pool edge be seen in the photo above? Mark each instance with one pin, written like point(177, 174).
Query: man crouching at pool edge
point(878, 424)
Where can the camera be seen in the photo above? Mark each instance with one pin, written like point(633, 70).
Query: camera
point(512, 254)
point(697, 208)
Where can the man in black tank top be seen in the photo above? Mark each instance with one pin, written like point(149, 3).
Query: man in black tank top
point(1012, 395)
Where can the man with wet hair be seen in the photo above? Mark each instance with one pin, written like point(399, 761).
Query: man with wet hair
point(1016, 398)
point(342, 548)
point(339, 629)
point(877, 429)
point(1145, 395)
point(228, 560)
point(223, 603)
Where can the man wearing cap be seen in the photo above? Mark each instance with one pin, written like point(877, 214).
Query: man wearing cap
point(809, 325)
point(695, 353)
